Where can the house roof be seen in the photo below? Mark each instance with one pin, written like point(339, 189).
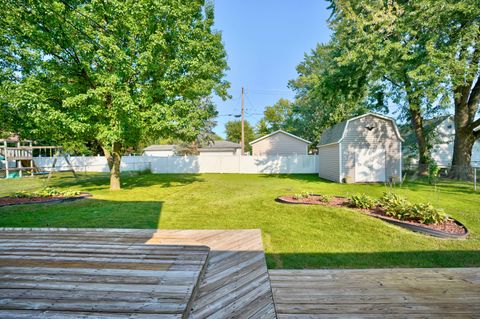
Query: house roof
point(219, 146)
point(160, 147)
point(335, 134)
point(276, 132)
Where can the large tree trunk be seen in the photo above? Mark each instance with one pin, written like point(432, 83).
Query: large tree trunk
point(114, 159)
point(466, 106)
point(416, 119)
point(423, 150)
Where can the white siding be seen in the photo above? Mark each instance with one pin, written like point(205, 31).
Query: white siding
point(329, 162)
point(280, 144)
point(158, 153)
point(382, 136)
point(217, 153)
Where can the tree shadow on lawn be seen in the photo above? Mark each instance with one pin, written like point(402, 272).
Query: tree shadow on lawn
point(129, 180)
point(311, 178)
point(84, 213)
point(396, 259)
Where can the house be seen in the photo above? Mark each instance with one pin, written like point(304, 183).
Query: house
point(280, 143)
point(366, 148)
point(159, 150)
point(220, 148)
point(441, 129)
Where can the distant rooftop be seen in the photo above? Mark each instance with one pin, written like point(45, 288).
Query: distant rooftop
point(215, 145)
point(160, 147)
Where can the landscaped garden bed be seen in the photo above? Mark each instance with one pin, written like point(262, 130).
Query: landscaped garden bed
point(46, 195)
point(391, 208)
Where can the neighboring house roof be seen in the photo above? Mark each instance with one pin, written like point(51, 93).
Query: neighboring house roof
point(161, 147)
point(219, 146)
point(276, 132)
point(335, 134)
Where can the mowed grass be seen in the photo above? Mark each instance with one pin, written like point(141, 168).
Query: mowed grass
point(294, 236)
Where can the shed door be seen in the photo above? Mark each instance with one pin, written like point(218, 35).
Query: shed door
point(370, 165)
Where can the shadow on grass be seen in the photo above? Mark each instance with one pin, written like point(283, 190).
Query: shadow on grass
point(85, 213)
point(311, 178)
point(129, 180)
point(397, 259)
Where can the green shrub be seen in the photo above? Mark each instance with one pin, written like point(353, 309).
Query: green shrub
point(362, 201)
point(45, 192)
point(22, 194)
point(426, 214)
point(326, 198)
point(399, 207)
point(302, 195)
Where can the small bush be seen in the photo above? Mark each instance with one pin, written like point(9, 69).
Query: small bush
point(45, 192)
point(302, 195)
point(326, 198)
point(426, 214)
point(362, 201)
point(399, 207)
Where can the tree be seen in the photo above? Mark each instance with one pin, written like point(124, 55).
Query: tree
point(388, 38)
point(111, 72)
point(327, 92)
point(233, 130)
point(454, 27)
point(279, 116)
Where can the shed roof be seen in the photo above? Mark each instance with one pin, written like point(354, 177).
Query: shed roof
point(160, 147)
point(276, 132)
point(334, 134)
point(220, 145)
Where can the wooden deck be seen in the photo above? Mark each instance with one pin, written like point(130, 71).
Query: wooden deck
point(236, 283)
point(72, 273)
point(377, 293)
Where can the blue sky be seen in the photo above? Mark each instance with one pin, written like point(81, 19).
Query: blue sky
point(265, 40)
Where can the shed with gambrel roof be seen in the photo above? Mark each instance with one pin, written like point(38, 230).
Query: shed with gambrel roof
point(366, 148)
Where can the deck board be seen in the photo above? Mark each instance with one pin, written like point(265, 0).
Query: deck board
point(105, 273)
point(377, 293)
point(49, 273)
point(236, 283)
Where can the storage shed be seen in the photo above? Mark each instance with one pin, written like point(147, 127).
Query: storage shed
point(366, 148)
point(280, 143)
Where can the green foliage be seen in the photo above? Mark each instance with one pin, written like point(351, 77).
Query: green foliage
point(233, 130)
point(433, 171)
point(327, 92)
point(110, 72)
point(45, 192)
point(277, 117)
point(326, 198)
point(302, 195)
point(362, 201)
point(399, 207)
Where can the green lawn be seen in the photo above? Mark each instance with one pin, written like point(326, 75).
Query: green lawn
point(294, 236)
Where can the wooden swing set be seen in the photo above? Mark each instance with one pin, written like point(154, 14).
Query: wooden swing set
point(17, 158)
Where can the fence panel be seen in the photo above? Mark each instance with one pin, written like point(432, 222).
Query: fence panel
point(294, 164)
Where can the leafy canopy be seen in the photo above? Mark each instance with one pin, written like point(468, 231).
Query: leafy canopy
point(111, 72)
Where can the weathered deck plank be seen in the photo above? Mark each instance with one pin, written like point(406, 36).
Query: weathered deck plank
point(102, 273)
point(377, 293)
point(235, 284)
point(88, 273)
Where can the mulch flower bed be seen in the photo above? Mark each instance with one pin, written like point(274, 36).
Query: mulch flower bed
point(446, 229)
point(10, 201)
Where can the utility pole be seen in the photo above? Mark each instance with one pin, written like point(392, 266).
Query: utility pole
point(243, 121)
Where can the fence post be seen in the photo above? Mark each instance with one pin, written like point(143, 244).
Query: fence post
point(475, 179)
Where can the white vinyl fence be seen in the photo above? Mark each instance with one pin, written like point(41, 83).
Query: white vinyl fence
point(294, 164)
